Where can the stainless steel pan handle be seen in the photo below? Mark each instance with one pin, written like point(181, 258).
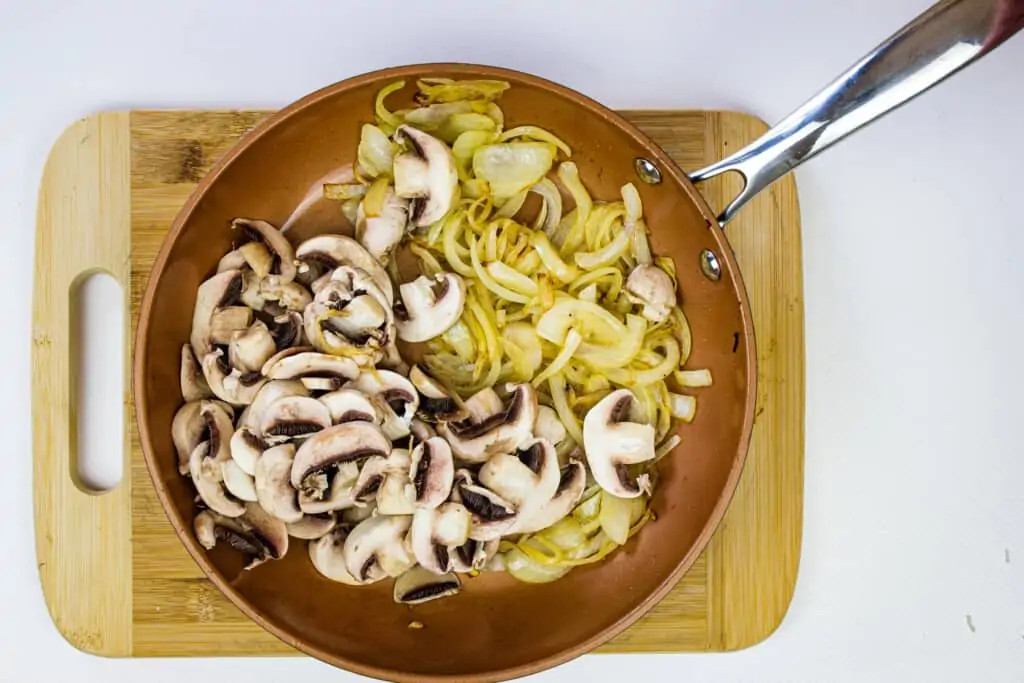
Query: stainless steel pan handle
point(947, 37)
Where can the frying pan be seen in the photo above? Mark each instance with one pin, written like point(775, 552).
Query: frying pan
point(498, 628)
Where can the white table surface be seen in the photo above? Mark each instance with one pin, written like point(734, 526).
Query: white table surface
point(913, 235)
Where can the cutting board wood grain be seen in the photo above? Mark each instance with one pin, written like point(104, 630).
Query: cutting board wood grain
point(116, 579)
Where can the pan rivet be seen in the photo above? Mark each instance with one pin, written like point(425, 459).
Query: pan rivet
point(647, 171)
point(709, 265)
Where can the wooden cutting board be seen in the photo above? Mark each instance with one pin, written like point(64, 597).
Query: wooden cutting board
point(116, 579)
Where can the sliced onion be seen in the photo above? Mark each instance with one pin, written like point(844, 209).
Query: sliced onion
point(615, 516)
point(432, 118)
point(536, 133)
point(512, 167)
point(556, 383)
point(612, 252)
point(682, 407)
point(511, 278)
point(572, 342)
point(588, 293)
point(388, 121)
point(525, 338)
point(551, 212)
point(693, 378)
point(618, 354)
point(342, 191)
point(376, 152)
point(570, 177)
point(552, 261)
point(435, 90)
point(592, 321)
point(468, 142)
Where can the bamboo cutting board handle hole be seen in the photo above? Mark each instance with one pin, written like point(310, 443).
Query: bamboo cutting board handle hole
point(96, 422)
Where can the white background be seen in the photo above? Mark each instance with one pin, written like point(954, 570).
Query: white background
point(913, 273)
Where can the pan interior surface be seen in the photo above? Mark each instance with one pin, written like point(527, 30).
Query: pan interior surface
point(496, 627)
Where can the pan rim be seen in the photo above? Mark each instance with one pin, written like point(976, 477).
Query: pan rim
point(141, 351)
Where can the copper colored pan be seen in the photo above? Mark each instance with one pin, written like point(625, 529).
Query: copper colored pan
point(498, 628)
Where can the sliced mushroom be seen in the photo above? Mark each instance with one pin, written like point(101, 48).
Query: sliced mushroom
point(209, 482)
point(612, 443)
point(429, 306)
point(193, 383)
point(492, 515)
point(274, 491)
point(268, 394)
point(371, 477)
point(285, 329)
point(426, 174)
point(376, 548)
point(312, 527)
point(419, 585)
point(258, 257)
point(358, 513)
point(436, 532)
point(231, 386)
point(394, 397)
point(483, 404)
point(317, 462)
point(328, 556)
point(187, 430)
point(246, 447)
point(221, 290)
point(650, 286)
point(272, 237)
point(571, 484)
point(501, 432)
point(321, 384)
point(250, 294)
point(549, 426)
point(350, 316)
point(301, 364)
point(473, 555)
point(327, 252)
point(420, 430)
point(255, 533)
point(349, 405)
point(528, 478)
point(431, 473)
point(233, 260)
point(225, 322)
point(249, 349)
point(293, 417)
point(437, 403)
point(239, 483)
point(380, 234)
point(290, 296)
point(394, 495)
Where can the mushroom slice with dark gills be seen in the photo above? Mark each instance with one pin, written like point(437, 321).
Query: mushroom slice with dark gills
point(492, 515)
point(431, 473)
point(230, 385)
point(208, 478)
point(571, 484)
point(473, 555)
point(612, 442)
point(349, 405)
point(270, 392)
point(220, 291)
point(284, 255)
point(418, 585)
point(312, 527)
point(324, 253)
point(274, 491)
point(436, 532)
point(293, 417)
point(351, 317)
point(285, 328)
point(426, 174)
point(254, 532)
point(429, 306)
point(482, 405)
point(376, 548)
point(285, 296)
point(476, 442)
point(382, 233)
point(394, 396)
point(328, 556)
point(527, 478)
point(326, 466)
point(437, 402)
point(249, 349)
point(420, 430)
point(238, 482)
point(225, 322)
point(193, 383)
point(292, 364)
point(371, 478)
point(197, 421)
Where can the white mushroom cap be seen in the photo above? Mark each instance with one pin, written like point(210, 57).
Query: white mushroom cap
point(436, 532)
point(187, 430)
point(427, 174)
point(273, 239)
point(268, 394)
point(651, 287)
point(312, 527)
point(483, 404)
point(549, 426)
point(223, 289)
point(379, 235)
point(295, 364)
point(239, 483)
point(419, 585)
point(250, 349)
point(376, 548)
point(492, 516)
point(293, 417)
point(274, 491)
point(227, 321)
point(328, 557)
point(246, 448)
point(394, 496)
point(437, 402)
point(430, 305)
point(611, 443)
point(254, 533)
point(499, 433)
point(317, 462)
point(209, 482)
point(331, 251)
point(231, 386)
point(371, 477)
point(473, 555)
